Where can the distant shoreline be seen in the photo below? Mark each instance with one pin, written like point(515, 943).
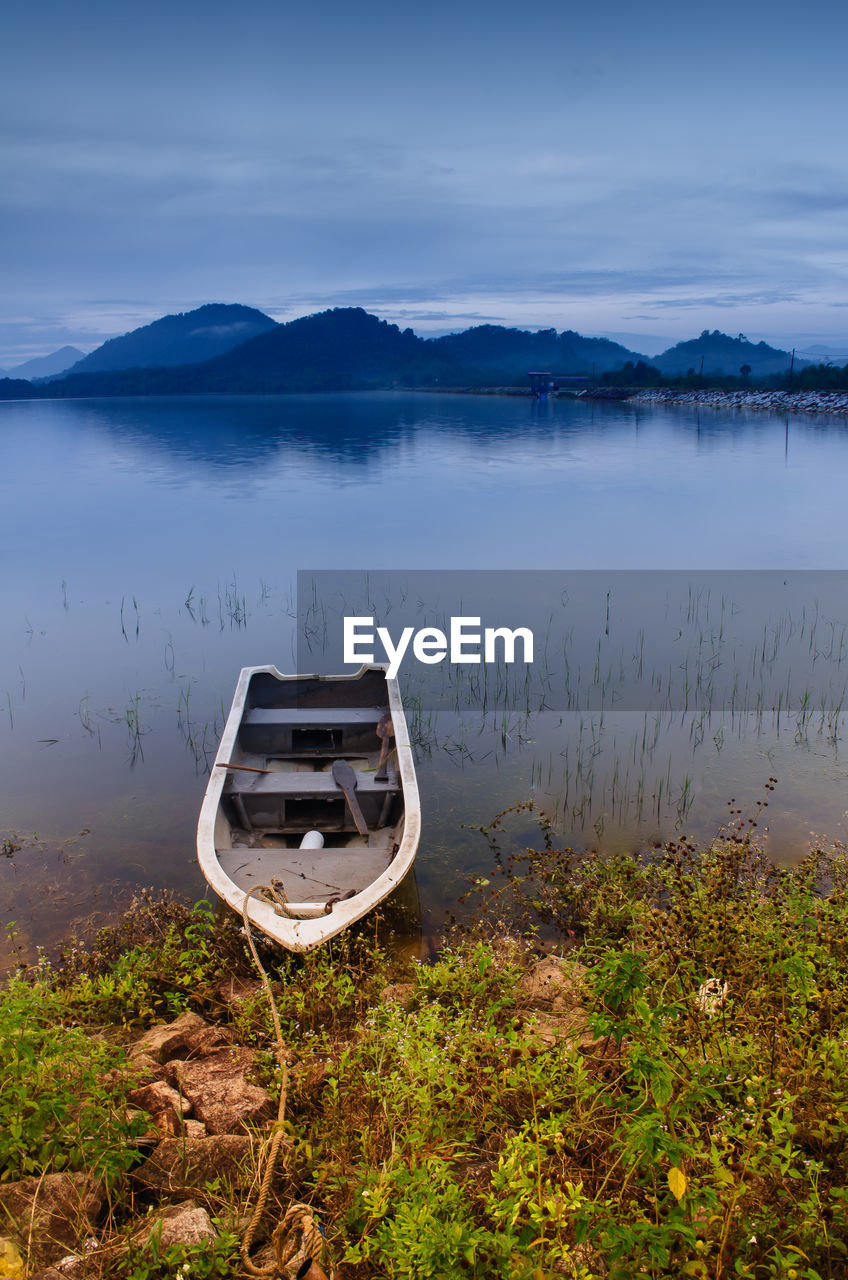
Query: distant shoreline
point(828, 402)
point(834, 403)
point(831, 402)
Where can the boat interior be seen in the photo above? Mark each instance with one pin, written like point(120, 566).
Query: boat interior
point(280, 789)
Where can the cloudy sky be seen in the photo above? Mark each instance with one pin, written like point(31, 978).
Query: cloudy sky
point(646, 169)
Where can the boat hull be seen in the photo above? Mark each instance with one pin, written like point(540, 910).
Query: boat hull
point(272, 788)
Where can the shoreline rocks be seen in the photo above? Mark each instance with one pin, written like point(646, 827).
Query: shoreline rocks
point(824, 402)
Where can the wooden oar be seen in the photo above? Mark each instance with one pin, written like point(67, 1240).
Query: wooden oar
point(385, 732)
point(245, 768)
point(345, 778)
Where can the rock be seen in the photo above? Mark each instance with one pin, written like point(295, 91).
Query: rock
point(166, 1125)
point(51, 1214)
point(218, 1090)
point(402, 993)
point(160, 1100)
point(187, 1036)
point(73, 1267)
point(830, 402)
point(553, 983)
point(185, 1224)
point(142, 1066)
point(570, 1030)
point(191, 1163)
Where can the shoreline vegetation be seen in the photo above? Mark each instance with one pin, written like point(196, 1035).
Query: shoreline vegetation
point(620, 1067)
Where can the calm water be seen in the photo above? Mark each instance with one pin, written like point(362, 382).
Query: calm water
point(150, 550)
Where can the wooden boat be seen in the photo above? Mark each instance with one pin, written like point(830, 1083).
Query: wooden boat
point(313, 795)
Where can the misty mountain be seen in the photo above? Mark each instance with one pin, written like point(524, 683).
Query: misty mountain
point(187, 338)
point(338, 350)
point(46, 366)
point(490, 352)
point(723, 354)
point(821, 354)
point(348, 349)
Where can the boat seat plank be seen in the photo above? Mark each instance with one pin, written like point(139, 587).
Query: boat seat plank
point(294, 785)
point(314, 717)
point(308, 875)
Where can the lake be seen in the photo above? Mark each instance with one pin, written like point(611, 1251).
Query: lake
point(151, 549)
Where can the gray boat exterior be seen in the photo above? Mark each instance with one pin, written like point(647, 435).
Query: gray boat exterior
point(272, 789)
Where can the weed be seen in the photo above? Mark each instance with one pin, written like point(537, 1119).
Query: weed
point(56, 1112)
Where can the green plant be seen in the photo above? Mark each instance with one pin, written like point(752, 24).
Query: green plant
point(56, 1110)
point(209, 1260)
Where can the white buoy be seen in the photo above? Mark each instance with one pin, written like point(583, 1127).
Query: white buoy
point(312, 840)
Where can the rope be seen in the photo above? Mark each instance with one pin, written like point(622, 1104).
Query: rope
point(290, 1254)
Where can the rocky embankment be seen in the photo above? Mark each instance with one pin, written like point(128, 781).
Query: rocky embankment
point(191, 1084)
point(829, 402)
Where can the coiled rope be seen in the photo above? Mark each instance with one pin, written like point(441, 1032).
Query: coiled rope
point(297, 1240)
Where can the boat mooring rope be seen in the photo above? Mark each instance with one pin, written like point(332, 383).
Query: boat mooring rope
point(297, 1240)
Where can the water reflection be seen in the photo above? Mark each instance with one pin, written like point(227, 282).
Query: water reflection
point(151, 548)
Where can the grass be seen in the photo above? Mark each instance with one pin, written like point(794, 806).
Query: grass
point(698, 1125)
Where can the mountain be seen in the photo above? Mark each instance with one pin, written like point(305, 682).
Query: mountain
point(509, 354)
point(338, 350)
point(46, 366)
point(820, 354)
point(723, 354)
point(347, 349)
point(188, 338)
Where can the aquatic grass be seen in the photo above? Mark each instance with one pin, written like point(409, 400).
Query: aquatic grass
point(135, 729)
point(232, 605)
point(124, 623)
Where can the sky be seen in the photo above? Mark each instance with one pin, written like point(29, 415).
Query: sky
point(645, 170)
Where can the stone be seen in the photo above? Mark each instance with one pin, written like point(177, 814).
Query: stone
point(51, 1214)
point(185, 1224)
point(219, 1092)
point(552, 983)
point(402, 993)
point(142, 1067)
point(191, 1163)
point(546, 1031)
point(73, 1267)
point(187, 1036)
point(161, 1101)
